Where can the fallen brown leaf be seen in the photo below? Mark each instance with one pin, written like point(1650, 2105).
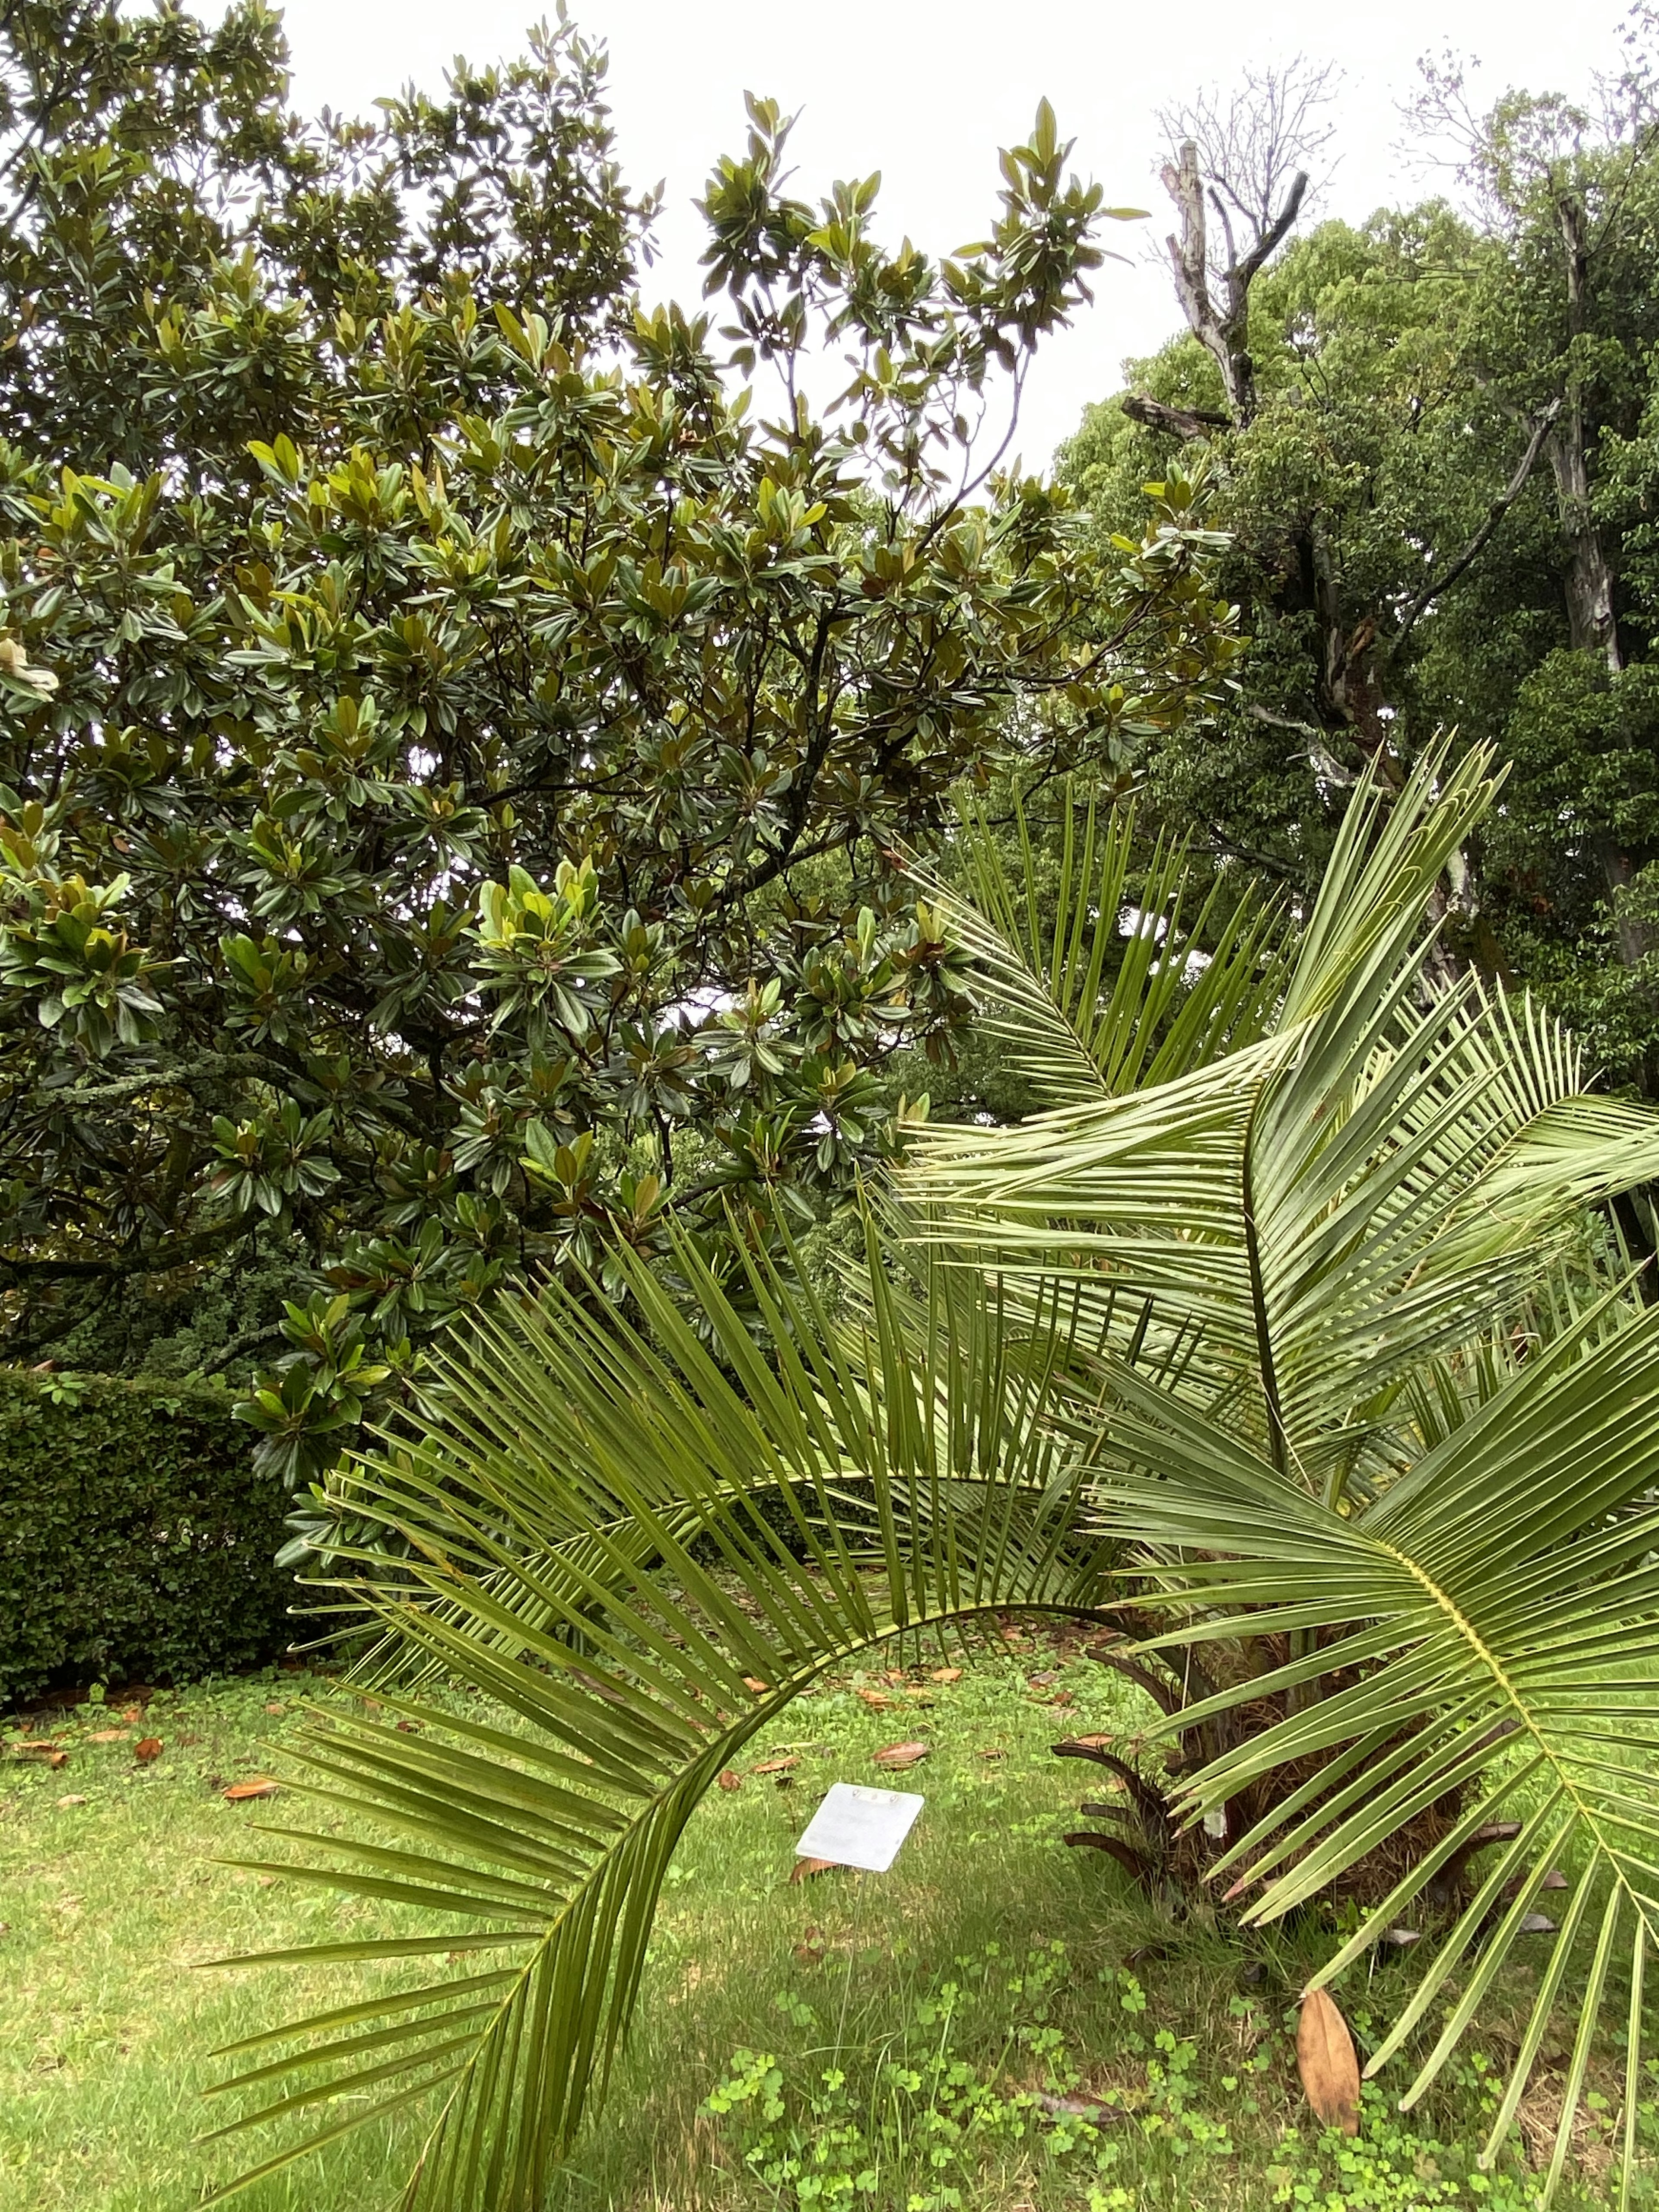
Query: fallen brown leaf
point(874, 1699)
point(802, 1868)
point(132, 1712)
point(1098, 1742)
point(145, 1748)
point(109, 1735)
point(777, 1766)
point(945, 1675)
point(811, 1949)
point(255, 1785)
point(1061, 1698)
point(63, 1802)
point(1326, 2061)
point(275, 1708)
point(754, 1682)
point(729, 1778)
point(51, 1755)
point(992, 1751)
point(901, 1754)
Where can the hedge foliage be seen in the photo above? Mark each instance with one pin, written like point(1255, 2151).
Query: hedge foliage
point(136, 1541)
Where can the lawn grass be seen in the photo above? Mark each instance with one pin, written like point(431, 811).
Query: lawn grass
point(898, 2042)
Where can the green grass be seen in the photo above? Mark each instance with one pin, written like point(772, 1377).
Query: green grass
point(894, 2041)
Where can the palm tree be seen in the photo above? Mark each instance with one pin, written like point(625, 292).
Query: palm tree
point(1293, 1337)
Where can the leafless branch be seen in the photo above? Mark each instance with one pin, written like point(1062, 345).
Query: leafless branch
point(1253, 143)
point(1495, 514)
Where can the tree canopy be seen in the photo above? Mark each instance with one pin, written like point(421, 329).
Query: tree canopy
point(1438, 478)
point(458, 757)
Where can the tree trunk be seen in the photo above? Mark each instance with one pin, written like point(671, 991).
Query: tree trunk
point(1592, 620)
point(1591, 627)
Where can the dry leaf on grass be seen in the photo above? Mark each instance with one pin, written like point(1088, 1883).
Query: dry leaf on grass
point(64, 1801)
point(802, 1868)
point(145, 1748)
point(945, 1675)
point(992, 1751)
point(777, 1765)
point(811, 1949)
point(109, 1735)
point(874, 1699)
point(754, 1682)
point(901, 1754)
point(255, 1785)
point(52, 1754)
point(1326, 2061)
point(729, 1778)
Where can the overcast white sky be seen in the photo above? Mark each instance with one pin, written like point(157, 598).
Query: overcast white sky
point(927, 90)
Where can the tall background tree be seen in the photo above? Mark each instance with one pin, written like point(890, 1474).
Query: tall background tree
point(457, 761)
point(1431, 435)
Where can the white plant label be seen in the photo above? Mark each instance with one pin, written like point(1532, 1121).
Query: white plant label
point(860, 1827)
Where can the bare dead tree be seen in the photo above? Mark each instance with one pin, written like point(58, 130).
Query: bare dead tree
point(1240, 173)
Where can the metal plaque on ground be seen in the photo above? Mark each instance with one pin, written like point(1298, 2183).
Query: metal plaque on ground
point(858, 1827)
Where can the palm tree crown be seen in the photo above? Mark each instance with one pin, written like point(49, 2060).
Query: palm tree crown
point(1294, 1330)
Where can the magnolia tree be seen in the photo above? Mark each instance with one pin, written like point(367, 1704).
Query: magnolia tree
point(462, 734)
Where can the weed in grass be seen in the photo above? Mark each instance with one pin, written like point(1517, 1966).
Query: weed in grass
point(983, 2096)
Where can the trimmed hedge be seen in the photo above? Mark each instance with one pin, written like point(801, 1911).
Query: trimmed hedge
point(137, 1543)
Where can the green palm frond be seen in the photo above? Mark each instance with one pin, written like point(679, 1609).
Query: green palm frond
point(1164, 1171)
point(1136, 978)
point(716, 1552)
point(1482, 1635)
point(1414, 1453)
point(1383, 1173)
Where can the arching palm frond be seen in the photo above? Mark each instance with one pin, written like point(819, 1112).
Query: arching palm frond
point(643, 1549)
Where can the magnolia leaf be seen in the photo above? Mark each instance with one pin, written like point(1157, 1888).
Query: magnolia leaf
point(902, 1754)
point(1326, 2060)
point(803, 1868)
